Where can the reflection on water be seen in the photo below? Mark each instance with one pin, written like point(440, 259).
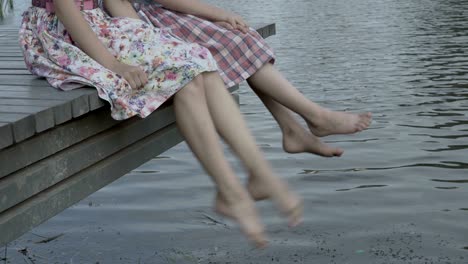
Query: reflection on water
point(362, 187)
point(447, 188)
point(403, 60)
point(451, 181)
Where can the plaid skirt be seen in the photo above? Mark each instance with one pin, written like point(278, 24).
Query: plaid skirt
point(238, 55)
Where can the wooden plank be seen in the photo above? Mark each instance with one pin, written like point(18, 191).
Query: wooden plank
point(9, 40)
point(51, 141)
point(6, 135)
point(79, 98)
point(29, 80)
point(17, 220)
point(8, 43)
point(4, 34)
point(32, 102)
point(41, 175)
point(8, 59)
point(12, 49)
point(13, 65)
point(14, 72)
point(26, 88)
point(80, 105)
point(11, 53)
point(13, 46)
point(95, 102)
point(62, 109)
point(9, 35)
point(23, 126)
point(5, 79)
point(233, 88)
point(43, 116)
point(8, 29)
point(266, 30)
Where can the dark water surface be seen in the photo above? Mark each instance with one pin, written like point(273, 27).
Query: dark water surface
point(398, 195)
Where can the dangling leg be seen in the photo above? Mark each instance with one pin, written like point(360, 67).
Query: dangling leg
point(321, 121)
point(296, 139)
point(231, 126)
point(196, 125)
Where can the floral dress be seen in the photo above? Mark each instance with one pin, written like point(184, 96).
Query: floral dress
point(238, 55)
point(169, 62)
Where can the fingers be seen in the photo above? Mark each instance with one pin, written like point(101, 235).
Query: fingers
point(143, 77)
point(241, 24)
point(136, 77)
point(232, 21)
point(243, 29)
point(128, 76)
point(224, 24)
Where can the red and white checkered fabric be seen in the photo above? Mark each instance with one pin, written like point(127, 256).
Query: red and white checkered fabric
point(238, 55)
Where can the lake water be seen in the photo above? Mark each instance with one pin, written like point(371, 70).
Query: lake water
point(398, 195)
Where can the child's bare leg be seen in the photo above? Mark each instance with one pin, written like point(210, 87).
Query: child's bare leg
point(296, 139)
point(321, 121)
point(231, 126)
point(196, 125)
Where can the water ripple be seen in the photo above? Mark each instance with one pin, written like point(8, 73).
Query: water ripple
point(451, 181)
point(362, 187)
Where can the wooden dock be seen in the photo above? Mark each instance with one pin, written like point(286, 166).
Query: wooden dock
point(56, 147)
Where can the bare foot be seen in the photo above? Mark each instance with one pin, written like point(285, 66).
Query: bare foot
point(289, 204)
point(244, 213)
point(298, 140)
point(334, 122)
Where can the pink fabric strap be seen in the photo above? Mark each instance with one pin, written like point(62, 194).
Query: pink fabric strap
point(81, 4)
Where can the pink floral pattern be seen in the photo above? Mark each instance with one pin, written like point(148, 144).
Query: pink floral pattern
point(169, 62)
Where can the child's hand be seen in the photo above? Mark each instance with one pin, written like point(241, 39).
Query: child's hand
point(224, 25)
point(134, 75)
point(234, 21)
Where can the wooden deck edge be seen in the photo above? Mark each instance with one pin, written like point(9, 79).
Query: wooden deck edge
point(6, 138)
point(266, 30)
point(39, 176)
point(42, 145)
point(18, 220)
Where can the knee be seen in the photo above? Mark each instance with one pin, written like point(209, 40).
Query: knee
point(212, 77)
point(191, 91)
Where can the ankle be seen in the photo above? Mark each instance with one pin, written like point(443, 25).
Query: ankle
point(232, 197)
point(288, 131)
point(261, 173)
point(316, 115)
point(294, 133)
